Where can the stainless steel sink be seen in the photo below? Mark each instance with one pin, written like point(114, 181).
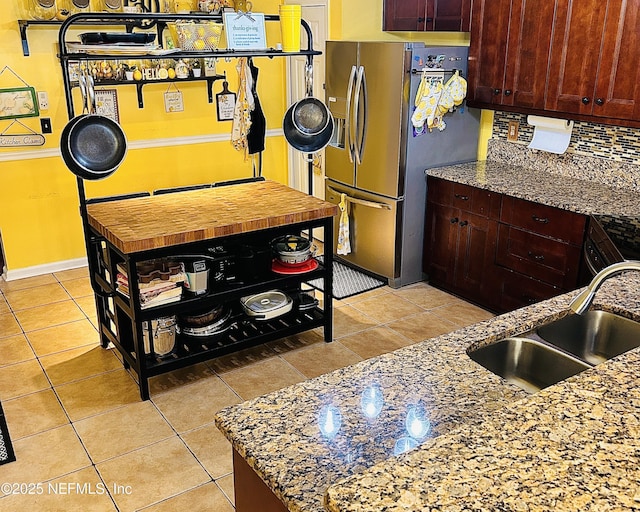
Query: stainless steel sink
point(529, 364)
point(594, 336)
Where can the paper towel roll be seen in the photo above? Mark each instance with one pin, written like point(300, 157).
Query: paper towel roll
point(550, 134)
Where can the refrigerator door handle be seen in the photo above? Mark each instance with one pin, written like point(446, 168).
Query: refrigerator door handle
point(361, 129)
point(363, 202)
point(349, 142)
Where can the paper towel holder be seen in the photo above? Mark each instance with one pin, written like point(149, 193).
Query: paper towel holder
point(550, 134)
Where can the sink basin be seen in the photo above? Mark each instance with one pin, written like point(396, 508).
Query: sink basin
point(529, 364)
point(594, 336)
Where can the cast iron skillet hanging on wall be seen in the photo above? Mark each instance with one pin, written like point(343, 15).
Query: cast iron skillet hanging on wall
point(308, 123)
point(92, 146)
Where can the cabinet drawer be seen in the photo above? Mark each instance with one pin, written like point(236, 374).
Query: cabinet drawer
point(518, 291)
point(476, 200)
point(439, 191)
point(544, 220)
point(465, 197)
point(548, 260)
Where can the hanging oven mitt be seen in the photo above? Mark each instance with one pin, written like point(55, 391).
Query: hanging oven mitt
point(426, 109)
point(457, 87)
point(344, 245)
point(435, 92)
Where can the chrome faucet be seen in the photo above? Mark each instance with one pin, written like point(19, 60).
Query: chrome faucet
point(584, 299)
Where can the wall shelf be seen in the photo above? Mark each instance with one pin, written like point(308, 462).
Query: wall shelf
point(159, 22)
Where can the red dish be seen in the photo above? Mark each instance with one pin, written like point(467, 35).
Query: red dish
point(280, 268)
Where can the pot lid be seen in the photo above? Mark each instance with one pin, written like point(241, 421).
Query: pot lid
point(265, 302)
point(291, 244)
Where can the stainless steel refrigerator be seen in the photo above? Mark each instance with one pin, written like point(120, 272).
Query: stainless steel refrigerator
point(375, 156)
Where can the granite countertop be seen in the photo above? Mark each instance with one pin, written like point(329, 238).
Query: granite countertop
point(474, 441)
point(572, 446)
point(569, 193)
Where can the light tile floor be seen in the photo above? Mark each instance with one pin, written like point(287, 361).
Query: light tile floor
point(85, 440)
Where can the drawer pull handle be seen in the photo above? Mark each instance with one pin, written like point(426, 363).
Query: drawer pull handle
point(541, 220)
point(461, 197)
point(464, 223)
point(537, 257)
point(454, 220)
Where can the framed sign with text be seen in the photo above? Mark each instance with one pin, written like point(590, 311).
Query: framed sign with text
point(107, 104)
point(18, 102)
point(245, 31)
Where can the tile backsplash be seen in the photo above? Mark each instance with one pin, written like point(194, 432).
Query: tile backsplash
point(597, 152)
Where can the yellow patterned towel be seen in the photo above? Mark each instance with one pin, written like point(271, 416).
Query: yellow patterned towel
point(344, 245)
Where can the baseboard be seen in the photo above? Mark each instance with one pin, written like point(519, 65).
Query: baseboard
point(38, 270)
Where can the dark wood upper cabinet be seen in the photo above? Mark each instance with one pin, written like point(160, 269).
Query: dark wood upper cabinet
point(594, 60)
point(427, 15)
point(488, 50)
point(528, 53)
point(509, 53)
point(557, 57)
point(575, 54)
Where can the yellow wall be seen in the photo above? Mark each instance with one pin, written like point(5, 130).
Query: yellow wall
point(39, 219)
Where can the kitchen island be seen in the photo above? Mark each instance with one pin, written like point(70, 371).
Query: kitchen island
point(225, 227)
point(426, 428)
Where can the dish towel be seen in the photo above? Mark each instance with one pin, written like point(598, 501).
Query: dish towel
point(244, 105)
point(344, 246)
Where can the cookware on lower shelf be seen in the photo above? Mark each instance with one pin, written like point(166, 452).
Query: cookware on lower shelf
point(266, 305)
point(163, 334)
point(292, 249)
point(209, 323)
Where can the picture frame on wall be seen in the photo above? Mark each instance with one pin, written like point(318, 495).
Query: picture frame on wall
point(18, 102)
point(107, 104)
point(245, 30)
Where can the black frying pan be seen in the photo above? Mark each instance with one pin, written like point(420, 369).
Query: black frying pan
point(92, 146)
point(308, 123)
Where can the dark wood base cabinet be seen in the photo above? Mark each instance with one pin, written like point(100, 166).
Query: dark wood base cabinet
point(250, 492)
point(497, 251)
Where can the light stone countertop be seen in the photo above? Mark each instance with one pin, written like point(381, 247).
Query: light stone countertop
point(568, 193)
point(487, 444)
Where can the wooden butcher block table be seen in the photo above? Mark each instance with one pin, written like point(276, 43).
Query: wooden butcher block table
point(173, 219)
point(123, 233)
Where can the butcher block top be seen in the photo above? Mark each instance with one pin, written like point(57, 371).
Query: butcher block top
point(140, 224)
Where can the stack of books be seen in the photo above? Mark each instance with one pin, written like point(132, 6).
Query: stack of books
point(155, 292)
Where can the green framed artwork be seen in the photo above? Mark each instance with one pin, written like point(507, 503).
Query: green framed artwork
point(18, 102)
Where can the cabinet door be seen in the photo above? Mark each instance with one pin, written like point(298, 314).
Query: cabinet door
point(474, 256)
point(487, 51)
point(421, 15)
point(449, 15)
point(617, 92)
point(528, 53)
point(575, 52)
point(441, 231)
point(404, 15)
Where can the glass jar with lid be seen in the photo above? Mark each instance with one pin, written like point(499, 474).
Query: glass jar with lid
point(42, 10)
point(74, 6)
point(106, 5)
